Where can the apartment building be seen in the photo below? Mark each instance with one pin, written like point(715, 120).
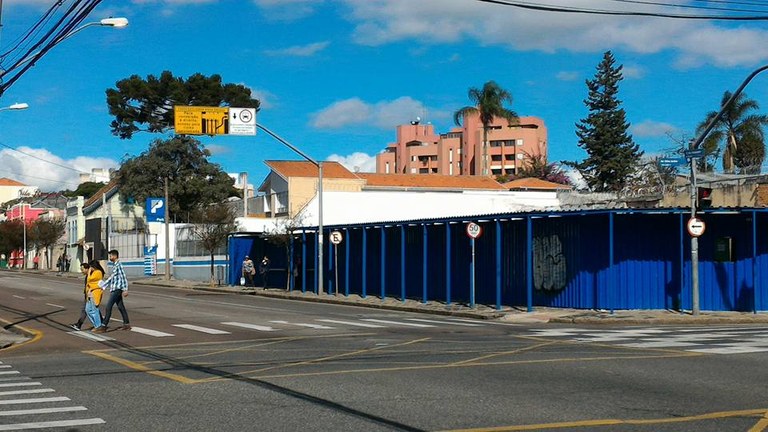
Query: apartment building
point(419, 150)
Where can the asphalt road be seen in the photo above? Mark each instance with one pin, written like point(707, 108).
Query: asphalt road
point(198, 361)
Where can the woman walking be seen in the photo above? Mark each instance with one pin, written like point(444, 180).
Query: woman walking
point(94, 293)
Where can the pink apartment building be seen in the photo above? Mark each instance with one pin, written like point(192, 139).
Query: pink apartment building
point(419, 150)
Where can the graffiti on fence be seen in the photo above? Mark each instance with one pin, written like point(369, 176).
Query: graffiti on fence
point(549, 264)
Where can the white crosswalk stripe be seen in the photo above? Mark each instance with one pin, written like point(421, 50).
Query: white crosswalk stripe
point(707, 340)
point(201, 329)
point(350, 323)
point(444, 322)
point(396, 323)
point(249, 326)
point(314, 326)
point(39, 408)
point(91, 336)
point(150, 332)
point(51, 424)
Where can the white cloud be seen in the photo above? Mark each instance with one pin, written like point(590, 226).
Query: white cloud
point(266, 98)
point(217, 149)
point(384, 114)
point(650, 128)
point(41, 168)
point(356, 162)
point(288, 10)
point(299, 50)
point(568, 75)
point(342, 113)
point(441, 21)
point(632, 72)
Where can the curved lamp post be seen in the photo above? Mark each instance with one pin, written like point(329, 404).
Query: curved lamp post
point(694, 145)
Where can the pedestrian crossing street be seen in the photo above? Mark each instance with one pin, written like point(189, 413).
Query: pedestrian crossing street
point(27, 404)
point(223, 328)
point(707, 340)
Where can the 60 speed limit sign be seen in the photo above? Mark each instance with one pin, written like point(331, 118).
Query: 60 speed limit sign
point(474, 230)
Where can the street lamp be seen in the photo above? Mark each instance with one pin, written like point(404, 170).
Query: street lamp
point(694, 145)
point(15, 107)
point(319, 165)
point(29, 60)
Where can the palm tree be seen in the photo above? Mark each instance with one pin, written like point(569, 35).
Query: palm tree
point(740, 132)
point(489, 104)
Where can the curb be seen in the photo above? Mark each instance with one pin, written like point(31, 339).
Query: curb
point(490, 315)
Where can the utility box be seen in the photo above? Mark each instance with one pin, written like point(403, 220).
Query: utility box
point(724, 249)
point(220, 274)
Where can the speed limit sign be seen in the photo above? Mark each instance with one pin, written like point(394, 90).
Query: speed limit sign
point(474, 230)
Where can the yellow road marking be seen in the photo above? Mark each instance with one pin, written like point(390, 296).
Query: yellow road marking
point(141, 368)
point(487, 356)
point(452, 365)
point(36, 336)
point(613, 422)
point(321, 359)
point(761, 425)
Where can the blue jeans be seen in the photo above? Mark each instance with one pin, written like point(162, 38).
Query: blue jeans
point(115, 297)
point(93, 312)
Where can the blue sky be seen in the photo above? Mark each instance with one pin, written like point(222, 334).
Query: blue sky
point(336, 77)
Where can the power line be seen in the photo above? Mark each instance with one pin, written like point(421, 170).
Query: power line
point(684, 6)
point(589, 11)
point(39, 178)
point(43, 160)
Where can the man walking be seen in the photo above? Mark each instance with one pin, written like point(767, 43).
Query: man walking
point(117, 284)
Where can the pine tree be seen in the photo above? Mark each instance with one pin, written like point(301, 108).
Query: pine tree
point(612, 155)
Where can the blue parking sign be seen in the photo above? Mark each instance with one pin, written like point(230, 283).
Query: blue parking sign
point(155, 211)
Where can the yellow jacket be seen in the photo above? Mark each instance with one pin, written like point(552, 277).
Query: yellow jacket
point(92, 285)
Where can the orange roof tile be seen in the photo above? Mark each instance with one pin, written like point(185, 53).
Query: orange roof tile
point(430, 181)
point(308, 169)
point(535, 184)
point(8, 182)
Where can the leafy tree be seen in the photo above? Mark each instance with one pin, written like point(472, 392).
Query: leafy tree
point(11, 237)
point(740, 133)
point(212, 226)
point(149, 102)
point(85, 189)
point(537, 167)
point(45, 233)
point(193, 181)
point(611, 153)
point(489, 104)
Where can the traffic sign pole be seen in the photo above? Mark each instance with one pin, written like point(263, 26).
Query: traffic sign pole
point(694, 246)
point(472, 275)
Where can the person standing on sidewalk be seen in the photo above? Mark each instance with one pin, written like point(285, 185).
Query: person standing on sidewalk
point(117, 284)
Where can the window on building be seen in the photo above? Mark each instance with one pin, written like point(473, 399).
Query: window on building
point(520, 156)
point(519, 142)
point(450, 155)
point(433, 158)
point(386, 168)
point(496, 172)
point(413, 171)
point(423, 170)
point(496, 158)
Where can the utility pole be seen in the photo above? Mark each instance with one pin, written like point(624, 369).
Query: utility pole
point(694, 242)
point(167, 234)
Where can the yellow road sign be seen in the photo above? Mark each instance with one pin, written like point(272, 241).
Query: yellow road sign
point(198, 120)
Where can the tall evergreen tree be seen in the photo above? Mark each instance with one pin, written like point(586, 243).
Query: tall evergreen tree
point(612, 155)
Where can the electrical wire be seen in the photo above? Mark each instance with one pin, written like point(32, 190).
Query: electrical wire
point(42, 160)
point(590, 11)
